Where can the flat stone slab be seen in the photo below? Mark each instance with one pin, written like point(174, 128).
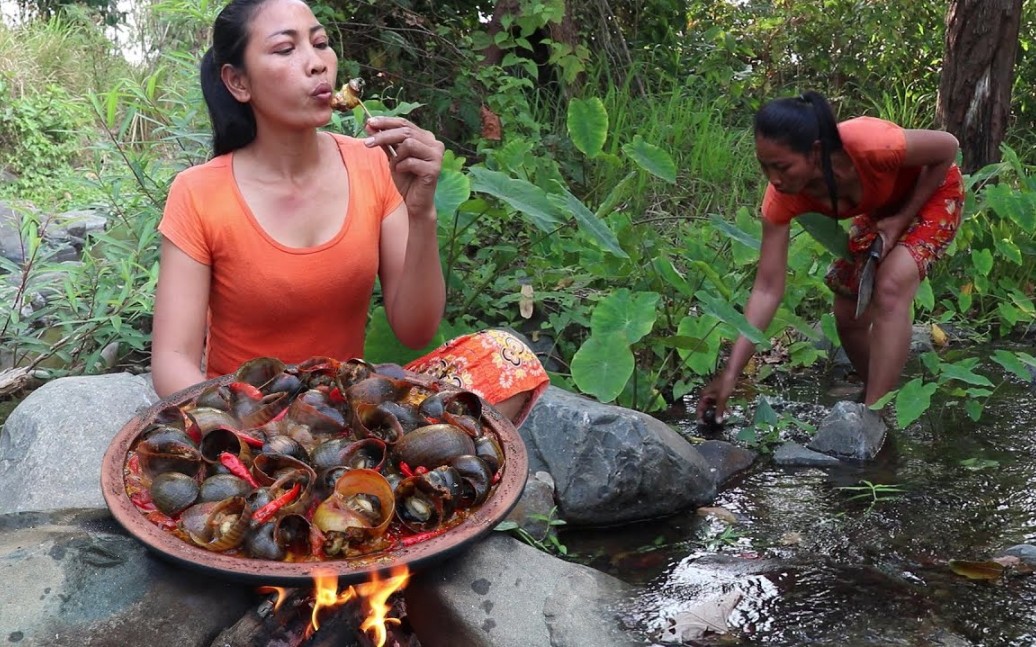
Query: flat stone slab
point(792, 454)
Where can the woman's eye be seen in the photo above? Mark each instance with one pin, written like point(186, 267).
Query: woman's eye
point(322, 45)
point(284, 50)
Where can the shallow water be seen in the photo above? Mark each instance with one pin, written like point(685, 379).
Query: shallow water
point(812, 566)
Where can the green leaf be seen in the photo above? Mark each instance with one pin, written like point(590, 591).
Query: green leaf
point(982, 259)
point(665, 268)
point(707, 329)
point(830, 328)
point(962, 373)
point(925, 296)
point(1009, 250)
point(651, 158)
point(734, 232)
point(913, 400)
point(588, 125)
point(618, 193)
point(589, 223)
point(973, 409)
point(827, 231)
point(1014, 364)
point(504, 526)
point(682, 342)
point(726, 313)
point(765, 416)
point(521, 195)
point(382, 346)
point(631, 314)
point(453, 190)
point(602, 365)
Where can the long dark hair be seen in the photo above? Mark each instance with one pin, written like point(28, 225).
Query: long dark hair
point(233, 122)
point(797, 122)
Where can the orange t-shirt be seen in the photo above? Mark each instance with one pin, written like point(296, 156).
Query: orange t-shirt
point(266, 299)
point(876, 148)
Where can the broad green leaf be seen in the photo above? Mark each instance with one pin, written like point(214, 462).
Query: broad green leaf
point(826, 231)
point(1009, 250)
point(631, 314)
point(453, 190)
point(765, 416)
point(962, 374)
point(982, 259)
point(382, 346)
point(588, 125)
point(913, 400)
point(1019, 206)
point(589, 223)
point(602, 365)
point(651, 158)
point(925, 296)
point(734, 232)
point(504, 526)
point(618, 193)
point(682, 342)
point(830, 328)
point(521, 195)
point(707, 329)
point(1012, 363)
point(713, 276)
point(726, 313)
point(665, 268)
point(964, 302)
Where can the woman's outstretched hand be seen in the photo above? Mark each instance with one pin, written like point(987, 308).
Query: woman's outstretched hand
point(415, 162)
point(714, 397)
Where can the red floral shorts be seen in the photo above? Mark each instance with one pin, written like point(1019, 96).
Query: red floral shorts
point(492, 363)
point(926, 238)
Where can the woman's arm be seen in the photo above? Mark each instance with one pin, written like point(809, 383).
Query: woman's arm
point(410, 271)
point(767, 292)
point(178, 330)
point(934, 151)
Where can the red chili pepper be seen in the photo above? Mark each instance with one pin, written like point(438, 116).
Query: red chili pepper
point(405, 469)
point(162, 520)
point(193, 432)
point(133, 464)
point(142, 499)
point(263, 514)
point(336, 396)
point(249, 440)
point(422, 536)
point(237, 468)
point(420, 469)
point(496, 477)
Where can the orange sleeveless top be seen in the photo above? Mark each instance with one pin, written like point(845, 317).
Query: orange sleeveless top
point(266, 299)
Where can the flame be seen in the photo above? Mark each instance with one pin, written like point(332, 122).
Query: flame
point(376, 593)
point(326, 595)
point(282, 594)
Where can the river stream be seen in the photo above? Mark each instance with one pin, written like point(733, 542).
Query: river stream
point(818, 557)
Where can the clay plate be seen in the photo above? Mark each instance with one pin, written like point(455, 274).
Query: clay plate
point(349, 571)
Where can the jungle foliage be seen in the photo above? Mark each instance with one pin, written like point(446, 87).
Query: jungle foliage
point(599, 192)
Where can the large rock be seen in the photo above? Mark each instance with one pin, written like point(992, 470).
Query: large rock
point(610, 464)
point(503, 593)
point(75, 579)
point(851, 430)
point(53, 443)
point(726, 460)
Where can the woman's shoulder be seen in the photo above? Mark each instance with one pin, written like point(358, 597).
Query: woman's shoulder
point(212, 173)
point(871, 133)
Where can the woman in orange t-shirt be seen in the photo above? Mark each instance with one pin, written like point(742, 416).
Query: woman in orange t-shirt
point(272, 247)
point(901, 185)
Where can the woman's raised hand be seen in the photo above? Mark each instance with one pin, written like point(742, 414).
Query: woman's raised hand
point(415, 164)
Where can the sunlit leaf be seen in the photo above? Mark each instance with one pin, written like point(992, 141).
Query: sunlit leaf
point(588, 125)
point(651, 158)
point(962, 373)
point(982, 259)
point(602, 365)
point(989, 570)
point(632, 314)
point(707, 329)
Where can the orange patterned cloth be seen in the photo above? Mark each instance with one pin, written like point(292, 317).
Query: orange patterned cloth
point(492, 363)
point(926, 238)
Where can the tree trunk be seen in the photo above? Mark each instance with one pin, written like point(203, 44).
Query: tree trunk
point(977, 75)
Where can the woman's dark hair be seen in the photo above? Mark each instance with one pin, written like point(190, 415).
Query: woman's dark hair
point(233, 122)
point(797, 122)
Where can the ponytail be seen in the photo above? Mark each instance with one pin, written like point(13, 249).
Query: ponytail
point(799, 122)
point(233, 122)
